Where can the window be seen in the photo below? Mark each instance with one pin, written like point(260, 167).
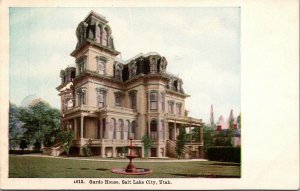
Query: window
point(105, 37)
point(69, 104)
point(101, 99)
point(118, 74)
point(119, 129)
point(118, 100)
point(133, 69)
point(81, 98)
point(98, 34)
point(132, 97)
point(153, 101)
point(153, 130)
point(81, 67)
point(101, 67)
point(111, 132)
point(178, 109)
point(171, 107)
point(153, 66)
point(125, 131)
point(161, 100)
point(133, 130)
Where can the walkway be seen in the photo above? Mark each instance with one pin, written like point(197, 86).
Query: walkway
point(114, 160)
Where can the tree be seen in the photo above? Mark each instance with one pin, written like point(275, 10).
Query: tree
point(146, 139)
point(238, 120)
point(208, 135)
point(40, 120)
point(66, 138)
point(180, 143)
point(15, 130)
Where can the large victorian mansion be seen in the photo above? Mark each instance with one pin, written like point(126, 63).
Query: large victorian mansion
point(105, 100)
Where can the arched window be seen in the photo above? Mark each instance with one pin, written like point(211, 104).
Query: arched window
point(171, 107)
point(101, 98)
point(105, 37)
point(101, 67)
point(111, 132)
point(161, 130)
point(133, 130)
point(119, 129)
point(153, 100)
point(178, 108)
point(153, 130)
point(125, 130)
point(98, 34)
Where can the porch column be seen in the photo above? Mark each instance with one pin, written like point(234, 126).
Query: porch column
point(114, 150)
point(148, 130)
point(174, 131)
point(101, 129)
point(143, 152)
point(106, 128)
point(158, 130)
point(190, 134)
point(75, 127)
point(103, 152)
point(81, 127)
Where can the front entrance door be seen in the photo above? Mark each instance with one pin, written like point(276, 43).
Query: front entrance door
point(153, 152)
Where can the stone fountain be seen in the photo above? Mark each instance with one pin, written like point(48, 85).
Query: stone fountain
point(131, 169)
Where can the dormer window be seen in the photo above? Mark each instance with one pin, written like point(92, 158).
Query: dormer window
point(118, 72)
point(133, 69)
point(105, 37)
point(153, 65)
point(98, 34)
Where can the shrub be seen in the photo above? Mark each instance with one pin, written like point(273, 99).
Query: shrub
point(23, 144)
point(86, 150)
point(226, 154)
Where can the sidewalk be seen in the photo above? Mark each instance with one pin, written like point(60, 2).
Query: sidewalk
point(114, 160)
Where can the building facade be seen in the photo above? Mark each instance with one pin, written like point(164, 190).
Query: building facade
point(106, 100)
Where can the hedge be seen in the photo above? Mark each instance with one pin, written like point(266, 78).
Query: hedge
point(225, 154)
point(20, 152)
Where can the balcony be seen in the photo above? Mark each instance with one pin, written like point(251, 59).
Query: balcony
point(105, 142)
point(123, 110)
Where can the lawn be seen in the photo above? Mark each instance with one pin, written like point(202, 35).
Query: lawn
point(44, 167)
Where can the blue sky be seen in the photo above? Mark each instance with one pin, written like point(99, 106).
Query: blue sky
point(202, 45)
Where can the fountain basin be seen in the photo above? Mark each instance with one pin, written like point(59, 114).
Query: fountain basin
point(136, 171)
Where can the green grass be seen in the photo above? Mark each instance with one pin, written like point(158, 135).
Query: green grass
point(42, 167)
